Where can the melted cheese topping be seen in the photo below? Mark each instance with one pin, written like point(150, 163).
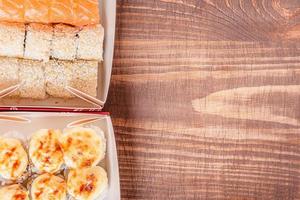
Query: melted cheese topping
point(88, 183)
point(83, 147)
point(48, 187)
point(13, 159)
point(13, 192)
point(45, 150)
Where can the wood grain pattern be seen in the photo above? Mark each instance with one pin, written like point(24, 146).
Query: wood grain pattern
point(205, 99)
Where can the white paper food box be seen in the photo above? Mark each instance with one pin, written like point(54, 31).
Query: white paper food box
point(21, 125)
point(28, 122)
point(108, 19)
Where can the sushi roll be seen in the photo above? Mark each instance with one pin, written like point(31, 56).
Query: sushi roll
point(12, 10)
point(12, 36)
point(36, 10)
point(64, 42)
point(31, 75)
point(88, 183)
point(90, 43)
point(14, 192)
point(38, 41)
point(86, 12)
point(81, 75)
point(48, 187)
point(61, 11)
point(13, 159)
point(83, 147)
point(9, 74)
point(74, 12)
point(45, 151)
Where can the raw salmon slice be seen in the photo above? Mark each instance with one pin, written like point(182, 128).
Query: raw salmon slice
point(86, 12)
point(12, 10)
point(37, 10)
point(62, 11)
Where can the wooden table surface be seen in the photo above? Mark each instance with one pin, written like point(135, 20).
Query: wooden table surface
point(205, 99)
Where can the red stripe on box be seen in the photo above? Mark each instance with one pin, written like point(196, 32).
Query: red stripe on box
point(32, 109)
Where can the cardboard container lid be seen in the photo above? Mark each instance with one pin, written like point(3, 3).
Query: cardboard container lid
point(82, 102)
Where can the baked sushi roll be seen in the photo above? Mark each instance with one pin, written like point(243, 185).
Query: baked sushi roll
point(13, 159)
point(90, 43)
point(9, 74)
point(31, 75)
point(83, 147)
point(64, 42)
point(38, 41)
point(48, 187)
point(45, 151)
point(14, 192)
point(81, 75)
point(87, 183)
point(12, 37)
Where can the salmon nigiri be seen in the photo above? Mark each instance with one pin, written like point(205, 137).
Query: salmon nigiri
point(12, 10)
point(62, 11)
point(86, 12)
point(37, 11)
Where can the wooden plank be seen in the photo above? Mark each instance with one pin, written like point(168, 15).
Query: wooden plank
point(205, 99)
